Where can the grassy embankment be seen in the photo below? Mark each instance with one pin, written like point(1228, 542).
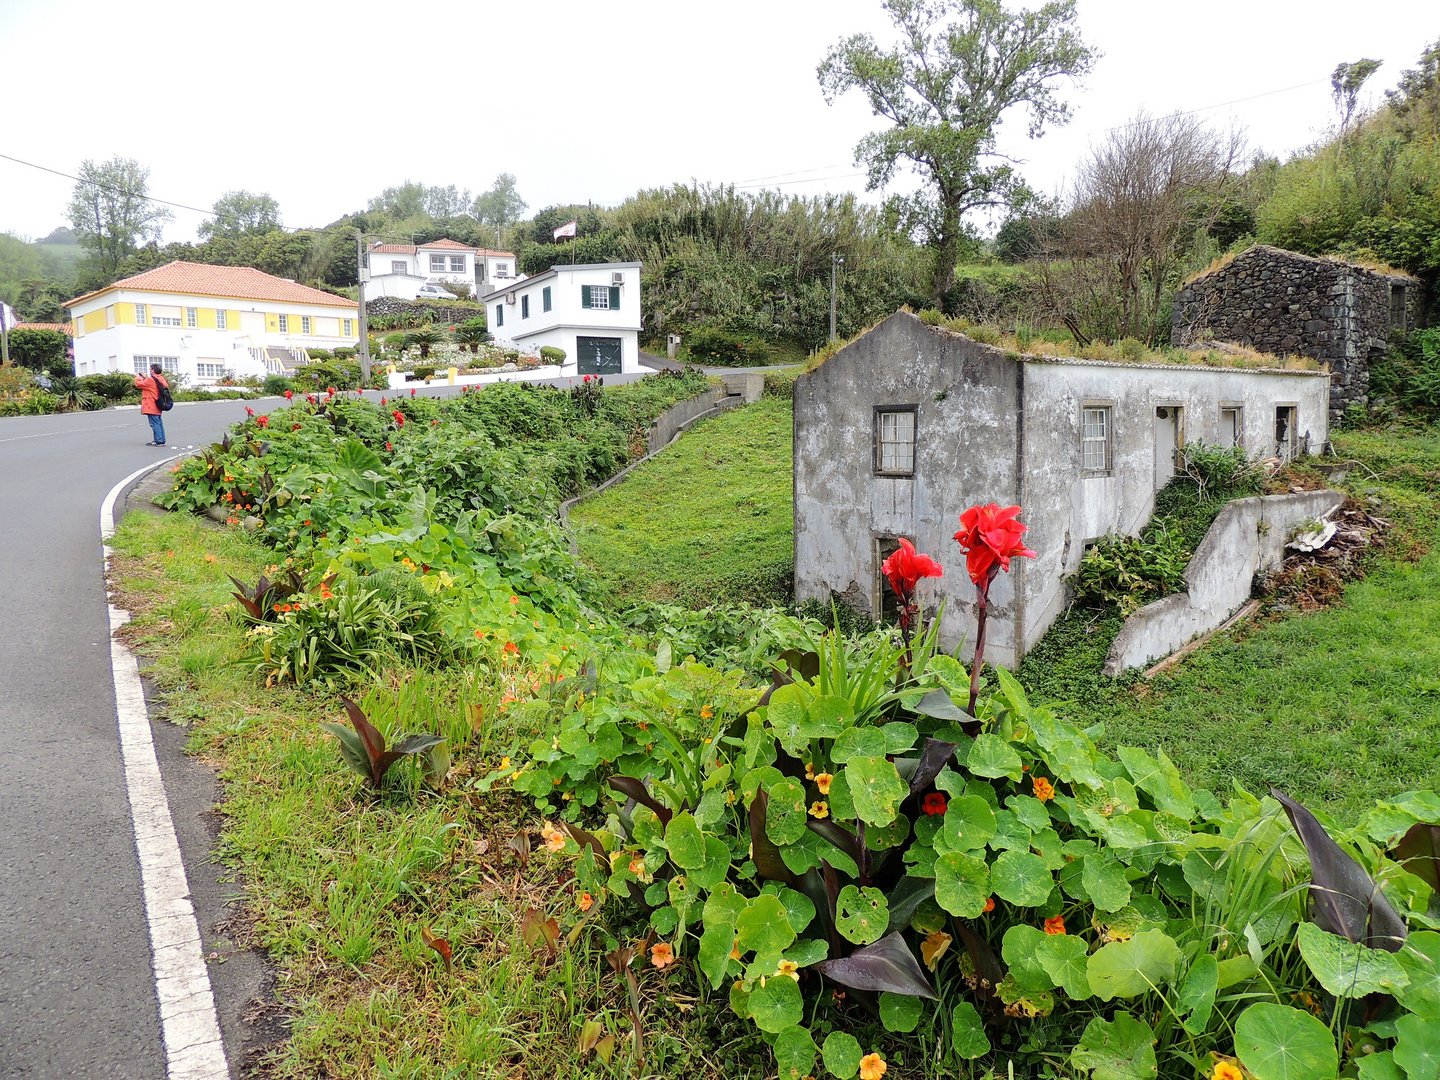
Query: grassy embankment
point(708, 521)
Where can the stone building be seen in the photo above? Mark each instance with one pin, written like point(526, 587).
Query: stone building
point(1289, 304)
point(905, 427)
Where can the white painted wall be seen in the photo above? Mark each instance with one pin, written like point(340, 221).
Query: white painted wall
point(568, 318)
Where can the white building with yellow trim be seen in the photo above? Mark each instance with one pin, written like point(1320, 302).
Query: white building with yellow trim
point(207, 323)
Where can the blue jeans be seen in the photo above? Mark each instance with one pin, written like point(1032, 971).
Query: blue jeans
point(158, 427)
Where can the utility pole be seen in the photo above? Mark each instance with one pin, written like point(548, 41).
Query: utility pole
point(364, 333)
point(835, 261)
point(4, 338)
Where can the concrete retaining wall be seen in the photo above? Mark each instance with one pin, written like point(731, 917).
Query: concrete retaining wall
point(1248, 537)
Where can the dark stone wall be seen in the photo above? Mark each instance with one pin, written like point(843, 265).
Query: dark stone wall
point(1290, 304)
point(393, 305)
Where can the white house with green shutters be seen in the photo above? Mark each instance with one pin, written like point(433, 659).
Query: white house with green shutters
point(591, 311)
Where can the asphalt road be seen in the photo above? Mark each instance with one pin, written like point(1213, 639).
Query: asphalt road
point(76, 991)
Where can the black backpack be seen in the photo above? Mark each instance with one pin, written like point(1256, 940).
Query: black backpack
point(163, 398)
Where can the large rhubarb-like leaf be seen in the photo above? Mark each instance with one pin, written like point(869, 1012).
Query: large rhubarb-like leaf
point(887, 965)
point(1344, 898)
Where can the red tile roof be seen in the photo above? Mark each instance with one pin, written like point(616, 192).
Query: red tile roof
point(448, 245)
point(63, 327)
point(487, 251)
point(226, 282)
point(394, 249)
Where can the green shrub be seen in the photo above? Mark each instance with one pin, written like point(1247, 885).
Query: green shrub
point(37, 350)
point(781, 383)
point(721, 348)
point(341, 374)
point(551, 353)
point(276, 385)
point(112, 385)
point(422, 372)
point(1410, 370)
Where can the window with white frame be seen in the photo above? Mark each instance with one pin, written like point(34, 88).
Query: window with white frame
point(437, 264)
point(499, 314)
point(895, 441)
point(1095, 439)
point(525, 306)
point(168, 364)
point(206, 370)
point(140, 315)
point(502, 269)
point(597, 297)
point(304, 324)
point(219, 319)
point(192, 319)
point(284, 324)
point(545, 298)
point(398, 266)
point(164, 320)
point(457, 264)
point(1232, 426)
point(348, 324)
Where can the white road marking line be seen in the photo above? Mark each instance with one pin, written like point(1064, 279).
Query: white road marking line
point(44, 434)
point(189, 1026)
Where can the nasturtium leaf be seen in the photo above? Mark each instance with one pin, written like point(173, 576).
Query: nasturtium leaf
point(899, 736)
point(724, 905)
point(993, 756)
point(1030, 811)
point(759, 779)
point(683, 892)
point(717, 864)
point(711, 808)
point(968, 824)
point(657, 893)
point(1071, 880)
point(884, 837)
point(807, 951)
point(1119, 1049)
point(1417, 1046)
point(785, 813)
point(841, 1054)
point(1105, 882)
point(1347, 969)
point(1420, 957)
point(1046, 843)
point(898, 1012)
point(950, 782)
point(842, 806)
point(1064, 960)
point(861, 915)
point(1130, 968)
point(788, 718)
point(858, 742)
point(827, 717)
point(1196, 996)
point(795, 1053)
point(876, 789)
point(664, 920)
point(685, 842)
point(1021, 878)
point(1237, 969)
point(1276, 1042)
point(971, 1041)
point(962, 884)
point(716, 944)
point(1425, 805)
point(1160, 780)
point(740, 999)
point(1379, 1066)
point(764, 926)
point(799, 908)
point(1011, 834)
point(776, 1005)
point(1017, 949)
point(1068, 750)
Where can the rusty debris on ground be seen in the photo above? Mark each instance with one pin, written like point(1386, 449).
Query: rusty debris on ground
point(1312, 579)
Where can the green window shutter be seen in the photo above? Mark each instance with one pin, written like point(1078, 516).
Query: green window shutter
point(499, 314)
point(584, 296)
point(614, 297)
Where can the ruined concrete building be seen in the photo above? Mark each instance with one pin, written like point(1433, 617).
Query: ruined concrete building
point(905, 427)
point(1289, 304)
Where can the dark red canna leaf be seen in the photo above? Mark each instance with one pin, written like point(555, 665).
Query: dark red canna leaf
point(887, 965)
point(1419, 853)
point(585, 839)
point(635, 789)
point(933, 757)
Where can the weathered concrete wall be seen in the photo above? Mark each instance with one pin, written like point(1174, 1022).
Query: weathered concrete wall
point(997, 427)
point(966, 397)
point(1290, 304)
point(1248, 537)
point(669, 423)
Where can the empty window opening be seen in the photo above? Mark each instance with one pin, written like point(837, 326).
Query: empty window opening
point(1397, 307)
point(887, 604)
point(895, 442)
point(1168, 436)
point(1095, 440)
point(1285, 432)
point(1232, 429)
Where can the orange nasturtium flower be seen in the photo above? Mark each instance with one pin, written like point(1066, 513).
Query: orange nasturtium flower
point(1226, 1070)
point(934, 947)
point(872, 1067)
point(554, 838)
point(586, 902)
point(661, 955)
point(989, 905)
point(706, 712)
point(787, 969)
point(820, 809)
point(809, 770)
point(823, 781)
point(1044, 790)
point(1055, 925)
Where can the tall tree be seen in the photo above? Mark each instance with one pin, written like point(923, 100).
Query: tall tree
point(1345, 83)
point(959, 67)
point(111, 212)
point(239, 212)
point(501, 205)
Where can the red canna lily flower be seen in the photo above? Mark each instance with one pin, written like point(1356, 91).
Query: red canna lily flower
point(294, 427)
point(934, 804)
point(906, 567)
point(263, 421)
point(399, 418)
point(412, 391)
point(382, 402)
point(289, 394)
point(990, 538)
point(330, 390)
point(389, 447)
point(249, 411)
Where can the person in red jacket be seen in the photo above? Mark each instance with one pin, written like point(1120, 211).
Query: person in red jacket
point(150, 401)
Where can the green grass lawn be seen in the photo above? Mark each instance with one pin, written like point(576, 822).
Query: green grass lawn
point(707, 521)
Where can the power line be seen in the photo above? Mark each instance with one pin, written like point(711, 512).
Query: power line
point(1218, 105)
point(810, 180)
point(107, 187)
point(793, 172)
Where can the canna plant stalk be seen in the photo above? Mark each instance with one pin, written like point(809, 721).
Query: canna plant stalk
point(990, 538)
point(905, 568)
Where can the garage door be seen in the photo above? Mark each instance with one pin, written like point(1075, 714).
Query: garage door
point(598, 355)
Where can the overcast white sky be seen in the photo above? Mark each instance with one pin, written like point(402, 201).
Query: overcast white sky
point(322, 103)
